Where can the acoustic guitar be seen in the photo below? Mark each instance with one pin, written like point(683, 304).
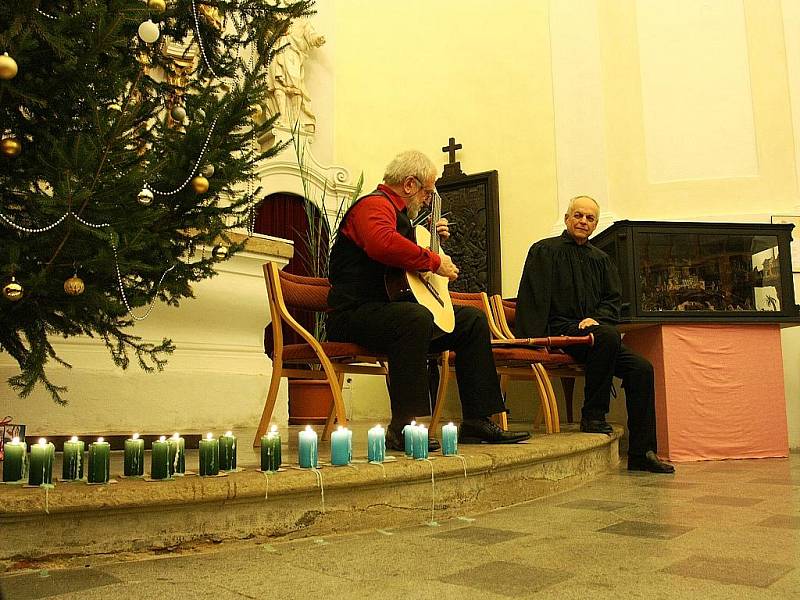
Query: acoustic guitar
point(425, 287)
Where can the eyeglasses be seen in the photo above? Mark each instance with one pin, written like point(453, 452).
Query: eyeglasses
point(428, 193)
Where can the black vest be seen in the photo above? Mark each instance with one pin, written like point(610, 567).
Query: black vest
point(356, 278)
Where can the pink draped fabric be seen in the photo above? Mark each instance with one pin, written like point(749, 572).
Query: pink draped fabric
point(719, 389)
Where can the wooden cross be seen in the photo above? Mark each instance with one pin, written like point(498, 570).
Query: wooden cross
point(451, 149)
point(453, 168)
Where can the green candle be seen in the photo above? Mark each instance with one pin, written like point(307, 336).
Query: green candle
point(14, 460)
point(177, 455)
point(159, 459)
point(209, 456)
point(271, 450)
point(134, 456)
point(99, 461)
point(41, 466)
point(73, 460)
point(227, 452)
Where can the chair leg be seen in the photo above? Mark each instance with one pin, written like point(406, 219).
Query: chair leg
point(568, 383)
point(269, 403)
point(444, 378)
point(544, 399)
point(551, 394)
point(329, 423)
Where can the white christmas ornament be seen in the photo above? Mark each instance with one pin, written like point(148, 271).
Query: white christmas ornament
point(149, 32)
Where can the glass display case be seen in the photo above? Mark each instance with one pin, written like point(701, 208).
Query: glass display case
point(702, 271)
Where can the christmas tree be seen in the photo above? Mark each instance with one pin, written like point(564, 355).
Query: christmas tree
point(126, 149)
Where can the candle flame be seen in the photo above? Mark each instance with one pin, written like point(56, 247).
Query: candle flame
point(450, 424)
point(228, 433)
point(162, 438)
point(340, 428)
point(274, 428)
point(209, 436)
point(308, 427)
point(101, 440)
point(135, 436)
point(15, 440)
point(413, 423)
point(42, 441)
point(175, 436)
point(74, 438)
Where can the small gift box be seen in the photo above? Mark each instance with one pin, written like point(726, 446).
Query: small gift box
point(8, 431)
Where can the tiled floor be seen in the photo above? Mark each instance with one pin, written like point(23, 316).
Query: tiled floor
point(715, 530)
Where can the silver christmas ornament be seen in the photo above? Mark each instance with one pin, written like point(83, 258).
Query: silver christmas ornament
point(149, 31)
point(207, 170)
point(178, 113)
point(145, 197)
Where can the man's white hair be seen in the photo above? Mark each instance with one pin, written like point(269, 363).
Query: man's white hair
point(572, 201)
point(410, 163)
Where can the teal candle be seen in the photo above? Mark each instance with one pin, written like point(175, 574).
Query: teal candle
point(134, 456)
point(376, 444)
point(99, 461)
point(41, 465)
point(177, 455)
point(72, 466)
point(307, 452)
point(209, 456)
point(340, 447)
point(408, 438)
point(227, 452)
point(420, 445)
point(14, 460)
point(271, 451)
point(349, 444)
point(159, 459)
point(449, 440)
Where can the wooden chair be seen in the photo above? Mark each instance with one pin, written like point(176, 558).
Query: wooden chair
point(513, 362)
point(567, 370)
point(312, 359)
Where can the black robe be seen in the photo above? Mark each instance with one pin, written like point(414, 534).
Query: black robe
point(562, 284)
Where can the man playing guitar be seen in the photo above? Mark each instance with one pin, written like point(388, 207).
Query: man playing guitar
point(376, 234)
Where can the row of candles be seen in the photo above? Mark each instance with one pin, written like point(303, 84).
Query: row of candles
point(168, 455)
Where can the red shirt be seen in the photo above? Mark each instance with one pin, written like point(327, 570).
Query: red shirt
point(372, 226)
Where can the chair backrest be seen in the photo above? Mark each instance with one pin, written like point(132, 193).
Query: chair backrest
point(505, 312)
point(304, 293)
point(480, 301)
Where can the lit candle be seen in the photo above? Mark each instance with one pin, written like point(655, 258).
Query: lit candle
point(177, 454)
point(159, 459)
point(340, 451)
point(271, 450)
point(227, 452)
point(449, 440)
point(134, 456)
point(14, 460)
point(420, 435)
point(376, 444)
point(41, 467)
point(408, 438)
point(72, 466)
point(307, 448)
point(99, 461)
point(349, 444)
point(209, 455)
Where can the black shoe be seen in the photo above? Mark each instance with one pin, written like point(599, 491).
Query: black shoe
point(394, 441)
point(649, 462)
point(486, 431)
point(596, 426)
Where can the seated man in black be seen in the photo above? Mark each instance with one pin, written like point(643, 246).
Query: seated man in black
point(376, 233)
point(570, 287)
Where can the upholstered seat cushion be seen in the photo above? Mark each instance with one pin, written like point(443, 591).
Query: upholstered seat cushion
point(333, 350)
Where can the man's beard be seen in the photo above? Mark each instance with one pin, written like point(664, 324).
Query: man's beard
point(413, 208)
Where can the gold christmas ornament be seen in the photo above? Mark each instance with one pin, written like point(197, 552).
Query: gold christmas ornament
point(13, 291)
point(200, 184)
point(74, 286)
point(157, 5)
point(8, 67)
point(149, 32)
point(219, 253)
point(178, 113)
point(10, 146)
point(145, 197)
point(207, 170)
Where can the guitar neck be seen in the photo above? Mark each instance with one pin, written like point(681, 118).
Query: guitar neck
point(436, 214)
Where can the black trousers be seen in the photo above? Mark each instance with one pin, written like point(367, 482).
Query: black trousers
point(404, 331)
point(609, 357)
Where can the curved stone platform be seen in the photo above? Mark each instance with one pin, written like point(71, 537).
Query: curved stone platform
point(135, 515)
